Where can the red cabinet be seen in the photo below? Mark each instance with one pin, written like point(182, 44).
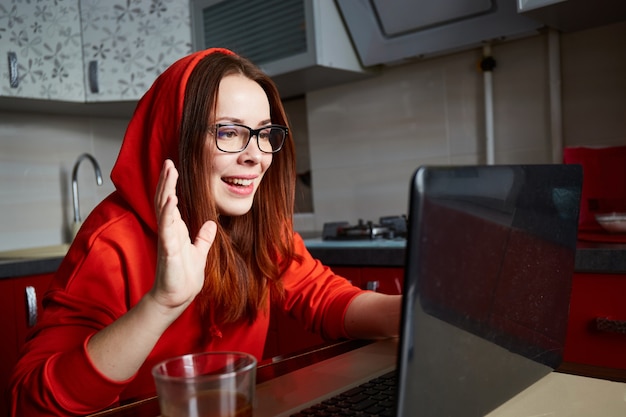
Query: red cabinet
point(596, 333)
point(388, 280)
point(20, 302)
point(286, 335)
point(8, 347)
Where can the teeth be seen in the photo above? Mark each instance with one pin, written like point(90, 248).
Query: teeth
point(239, 181)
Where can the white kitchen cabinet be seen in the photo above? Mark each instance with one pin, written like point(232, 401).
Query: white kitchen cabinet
point(123, 47)
point(127, 44)
point(573, 15)
point(41, 43)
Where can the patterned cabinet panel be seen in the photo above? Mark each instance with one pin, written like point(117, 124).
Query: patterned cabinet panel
point(128, 43)
point(41, 43)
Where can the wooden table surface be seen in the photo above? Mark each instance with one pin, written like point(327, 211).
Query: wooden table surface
point(266, 371)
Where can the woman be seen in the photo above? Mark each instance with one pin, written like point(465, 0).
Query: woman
point(207, 154)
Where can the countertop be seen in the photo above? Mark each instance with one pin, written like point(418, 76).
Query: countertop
point(11, 268)
point(590, 257)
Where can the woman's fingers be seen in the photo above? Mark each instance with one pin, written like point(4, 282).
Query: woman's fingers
point(168, 230)
point(166, 207)
point(205, 238)
point(158, 195)
point(166, 187)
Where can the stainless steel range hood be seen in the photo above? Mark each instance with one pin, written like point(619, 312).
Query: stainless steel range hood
point(392, 31)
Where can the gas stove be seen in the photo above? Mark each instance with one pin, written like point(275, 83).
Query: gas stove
point(388, 227)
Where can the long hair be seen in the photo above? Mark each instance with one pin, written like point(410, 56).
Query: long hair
point(250, 252)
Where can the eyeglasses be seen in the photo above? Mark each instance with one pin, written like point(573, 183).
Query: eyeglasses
point(235, 138)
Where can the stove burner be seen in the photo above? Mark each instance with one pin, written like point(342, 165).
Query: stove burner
point(389, 227)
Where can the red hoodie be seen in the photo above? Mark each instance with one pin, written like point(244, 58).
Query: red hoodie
point(112, 263)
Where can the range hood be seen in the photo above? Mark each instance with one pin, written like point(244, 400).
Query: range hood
point(393, 31)
point(302, 44)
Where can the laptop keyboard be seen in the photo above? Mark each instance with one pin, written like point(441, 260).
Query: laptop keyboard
point(374, 398)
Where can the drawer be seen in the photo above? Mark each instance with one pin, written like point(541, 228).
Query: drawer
point(596, 333)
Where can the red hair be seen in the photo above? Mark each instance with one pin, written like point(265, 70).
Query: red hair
point(250, 251)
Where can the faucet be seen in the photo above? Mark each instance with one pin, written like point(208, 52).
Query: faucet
point(96, 168)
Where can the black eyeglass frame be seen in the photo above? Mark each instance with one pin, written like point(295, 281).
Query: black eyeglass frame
point(253, 132)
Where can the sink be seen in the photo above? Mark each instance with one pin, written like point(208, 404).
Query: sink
point(53, 251)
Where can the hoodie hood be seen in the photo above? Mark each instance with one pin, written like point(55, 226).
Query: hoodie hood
point(153, 136)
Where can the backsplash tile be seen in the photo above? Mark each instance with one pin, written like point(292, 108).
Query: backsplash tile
point(595, 110)
point(37, 154)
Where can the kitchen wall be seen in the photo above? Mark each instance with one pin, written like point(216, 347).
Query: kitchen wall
point(365, 138)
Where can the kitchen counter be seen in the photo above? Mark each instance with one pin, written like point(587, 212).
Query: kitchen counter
point(600, 257)
point(590, 257)
point(378, 252)
point(10, 268)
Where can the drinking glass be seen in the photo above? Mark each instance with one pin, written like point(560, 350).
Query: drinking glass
point(209, 384)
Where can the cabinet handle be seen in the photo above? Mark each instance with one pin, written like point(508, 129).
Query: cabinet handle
point(606, 325)
point(31, 302)
point(372, 285)
point(92, 72)
point(14, 79)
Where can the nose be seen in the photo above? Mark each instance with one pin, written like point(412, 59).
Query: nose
point(252, 153)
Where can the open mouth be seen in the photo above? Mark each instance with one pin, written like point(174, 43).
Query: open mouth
point(239, 182)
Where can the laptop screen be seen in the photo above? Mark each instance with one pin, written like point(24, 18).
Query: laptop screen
point(489, 263)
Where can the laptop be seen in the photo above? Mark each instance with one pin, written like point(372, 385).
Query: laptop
point(489, 265)
point(488, 270)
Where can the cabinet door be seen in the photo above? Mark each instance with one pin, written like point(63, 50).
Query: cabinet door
point(15, 296)
point(8, 330)
point(386, 280)
point(126, 45)
point(41, 42)
point(352, 274)
point(596, 333)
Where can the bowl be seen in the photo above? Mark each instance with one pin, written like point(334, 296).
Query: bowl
point(612, 222)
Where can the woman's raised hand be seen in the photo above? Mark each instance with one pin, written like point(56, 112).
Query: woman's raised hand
point(180, 263)
point(120, 349)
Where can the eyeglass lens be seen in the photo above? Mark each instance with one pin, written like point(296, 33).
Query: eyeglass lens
point(235, 138)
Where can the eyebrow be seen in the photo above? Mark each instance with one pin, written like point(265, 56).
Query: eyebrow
point(239, 121)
